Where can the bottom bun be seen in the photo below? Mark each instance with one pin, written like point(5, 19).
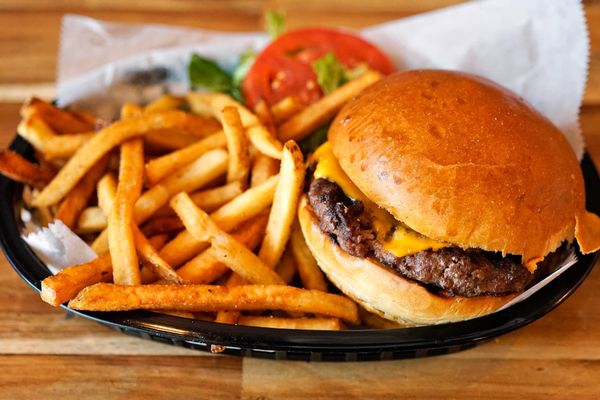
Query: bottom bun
point(384, 292)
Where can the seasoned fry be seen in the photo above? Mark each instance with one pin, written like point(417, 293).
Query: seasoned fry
point(61, 121)
point(164, 103)
point(149, 254)
point(285, 203)
point(263, 167)
point(211, 199)
point(205, 169)
point(205, 268)
point(161, 167)
point(287, 268)
point(310, 274)
point(160, 225)
point(199, 298)
point(16, 167)
point(332, 324)
point(37, 132)
point(106, 191)
point(103, 141)
point(214, 104)
point(69, 210)
point(263, 112)
point(284, 109)
point(237, 145)
point(65, 285)
point(306, 121)
point(91, 220)
point(121, 239)
point(130, 110)
point(147, 272)
point(227, 250)
point(247, 205)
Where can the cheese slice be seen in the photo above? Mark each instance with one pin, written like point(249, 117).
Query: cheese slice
point(396, 237)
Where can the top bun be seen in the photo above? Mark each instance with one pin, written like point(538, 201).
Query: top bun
point(460, 159)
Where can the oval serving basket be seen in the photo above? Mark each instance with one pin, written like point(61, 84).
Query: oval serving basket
point(350, 345)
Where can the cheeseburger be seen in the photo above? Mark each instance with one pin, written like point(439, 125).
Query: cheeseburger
point(438, 194)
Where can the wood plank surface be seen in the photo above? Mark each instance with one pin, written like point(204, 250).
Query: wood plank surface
point(48, 353)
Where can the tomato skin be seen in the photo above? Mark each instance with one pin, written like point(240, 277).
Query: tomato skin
point(284, 68)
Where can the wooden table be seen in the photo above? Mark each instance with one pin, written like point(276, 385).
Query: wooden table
point(46, 353)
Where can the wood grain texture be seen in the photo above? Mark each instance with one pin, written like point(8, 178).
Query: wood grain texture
point(47, 353)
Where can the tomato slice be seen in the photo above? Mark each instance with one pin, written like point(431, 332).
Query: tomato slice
point(284, 69)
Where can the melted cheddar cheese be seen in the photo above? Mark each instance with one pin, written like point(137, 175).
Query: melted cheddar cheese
point(396, 237)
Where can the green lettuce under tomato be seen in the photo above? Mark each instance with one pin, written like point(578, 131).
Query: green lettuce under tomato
point(331, 73)
point(274, 23)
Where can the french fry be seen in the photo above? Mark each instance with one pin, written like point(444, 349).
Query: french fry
point(214, 104)
point(263, 112)
point(69, 210)
point(227, 250)
point(287, 268)
point(121, 240)
point(106, 191)
point(65, 285)
point(161, 167)
point(164, 103)
point(237, 145)
point(227, 317)
point(323, 324)
point(173, 141)
point(284, 109)
point(204, 170)
point(285, 203)
point(130, 110)
point(306, 121)
point(35, 130)
point(310, 274)
point(263, 167)
point(61, 121)
point(102, 142)
point(149, 254)
point(247, 205)
point(91, 220)
point(205, 268)
point(206, 298)
point(147, 274)
point(212, 199)
point(17, 168)
point(160, 225)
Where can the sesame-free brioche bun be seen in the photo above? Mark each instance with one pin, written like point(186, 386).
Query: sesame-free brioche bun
point(384, 292)
point(460, 159)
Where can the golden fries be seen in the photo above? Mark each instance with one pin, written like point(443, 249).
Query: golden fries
point(310, 274)
point(163, 166)
point(238, 146)
point(285, 203)
point(149, 254)
point(228, 162)
point(227, 250)
point(69, 210)
point(332, 324)
point(65, 285)
point(263, 167)
point(61, 121)
point(102, 142)
point(16, 167)
point(121, 240)
point(35, 130)
point(106, 191)
point(306, 121)
point(91, 220)
point(214, 103)
point(205, 268)
point(164, 103)
point(285, 108)
point(206, 298)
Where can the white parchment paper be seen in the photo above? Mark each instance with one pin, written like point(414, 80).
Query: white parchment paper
point(537, 48)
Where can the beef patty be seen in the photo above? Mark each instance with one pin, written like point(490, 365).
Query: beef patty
point(450, 270)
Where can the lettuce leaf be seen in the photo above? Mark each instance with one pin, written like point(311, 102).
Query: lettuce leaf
point(274, 23)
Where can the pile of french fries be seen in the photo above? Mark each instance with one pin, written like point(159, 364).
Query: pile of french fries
point(191, 205)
